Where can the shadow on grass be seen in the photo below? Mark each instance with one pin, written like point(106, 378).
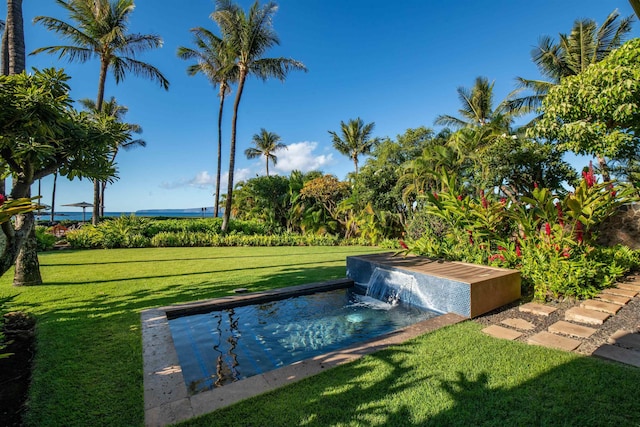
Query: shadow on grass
point(578, 391)
point(89, 362)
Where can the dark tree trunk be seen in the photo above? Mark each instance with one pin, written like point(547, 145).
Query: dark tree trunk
point(216, 205)
point(15, 37)
point(27, 271)
point(95, 217)
point(232, 155)
point(104, 66)
point(103, 188)
point(604, 169)
point(4, 58)
point(53, 197)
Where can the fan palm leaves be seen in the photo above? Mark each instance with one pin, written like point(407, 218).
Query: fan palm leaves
point(99, 29)
point(266, 143)
point(354, 139)
point(249, 35)
point(215, 60)
point(571, 54)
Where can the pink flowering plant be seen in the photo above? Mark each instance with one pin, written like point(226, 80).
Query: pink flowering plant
point(550, 238)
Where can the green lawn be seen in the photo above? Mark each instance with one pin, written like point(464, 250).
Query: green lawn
point(89, 363)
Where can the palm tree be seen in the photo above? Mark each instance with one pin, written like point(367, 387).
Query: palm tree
point(477, 106)
point(249, 35)
point(586, 44)
point(101, 31)
point(13, 50)
point(355, 140)
point(215, 60)
point(111, 108)
point(266, 143)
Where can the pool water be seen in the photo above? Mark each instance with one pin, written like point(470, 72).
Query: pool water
point(228, 345)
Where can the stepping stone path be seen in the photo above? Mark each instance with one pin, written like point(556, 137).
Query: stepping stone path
point(580, 323)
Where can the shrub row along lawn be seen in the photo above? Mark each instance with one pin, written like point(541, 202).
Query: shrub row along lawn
point(88, 368)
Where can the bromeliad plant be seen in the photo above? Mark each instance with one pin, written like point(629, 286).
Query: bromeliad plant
point(550, 238)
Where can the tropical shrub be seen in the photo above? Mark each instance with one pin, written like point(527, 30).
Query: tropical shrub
point(44, 239)
point(550, 239)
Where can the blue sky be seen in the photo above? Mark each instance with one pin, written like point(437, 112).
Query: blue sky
point(397, 64)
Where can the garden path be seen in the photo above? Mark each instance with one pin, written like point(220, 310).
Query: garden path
point(607, 326)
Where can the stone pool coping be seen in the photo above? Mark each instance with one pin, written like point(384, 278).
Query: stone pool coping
point(166, 398)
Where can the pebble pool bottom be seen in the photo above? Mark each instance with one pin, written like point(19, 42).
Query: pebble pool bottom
point(228, 345)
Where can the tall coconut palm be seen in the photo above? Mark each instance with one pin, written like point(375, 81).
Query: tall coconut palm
point(111, 108)
point(249, 36)
point(100, 30)
point(215, 60)
point(266, 143)
point(477, 106)
point(571, 54)
point(355, 139)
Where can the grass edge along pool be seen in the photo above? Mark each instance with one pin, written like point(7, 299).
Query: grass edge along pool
point(231, 343)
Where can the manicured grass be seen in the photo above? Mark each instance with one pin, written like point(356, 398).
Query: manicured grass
point(88, 369)
point(456, 376)
point(89, 363)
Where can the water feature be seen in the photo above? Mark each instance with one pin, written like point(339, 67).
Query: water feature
point(227, 345)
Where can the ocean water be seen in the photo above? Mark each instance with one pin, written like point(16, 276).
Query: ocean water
point(77, 216)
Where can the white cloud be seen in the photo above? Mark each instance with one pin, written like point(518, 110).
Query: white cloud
point(300, 156)
point(204, 181)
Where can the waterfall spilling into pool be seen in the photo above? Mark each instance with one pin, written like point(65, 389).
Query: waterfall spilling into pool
point(392, 286)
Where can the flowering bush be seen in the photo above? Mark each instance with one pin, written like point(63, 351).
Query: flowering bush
point(550, 239)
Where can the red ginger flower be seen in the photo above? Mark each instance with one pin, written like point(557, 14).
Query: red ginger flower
point(2, 199)
point(547, 229)
point(589, 176)
point(579, 233)
point(518, 251)
point(403, 245)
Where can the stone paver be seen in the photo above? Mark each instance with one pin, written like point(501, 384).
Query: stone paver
point(567, 328)
point(629, 286)
point(537, 309)
point(500, 332)
point(606, 307)
point(619, 354)
point(621, 292)
point(583, 315)
point(616, 299)
point(517, 323)
point(626, 339)
point(547, 339)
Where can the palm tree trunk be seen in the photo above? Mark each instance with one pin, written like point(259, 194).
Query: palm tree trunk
point(267, 165)
point(15, 37)
point(216, 205)
point(232, 151)
point(604, 169)
point(95, 216)
point(104, 65)
point(4, 50)
point(53, 197)
point(103, 187)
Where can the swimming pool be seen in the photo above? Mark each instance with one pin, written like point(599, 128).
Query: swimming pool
point(231, 344)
